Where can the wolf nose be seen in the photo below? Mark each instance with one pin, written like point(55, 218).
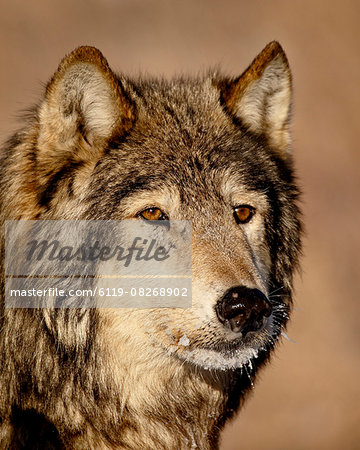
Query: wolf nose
point(243, 309)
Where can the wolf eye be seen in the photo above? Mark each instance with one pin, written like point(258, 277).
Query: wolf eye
point(243, 213)
point(153, 214)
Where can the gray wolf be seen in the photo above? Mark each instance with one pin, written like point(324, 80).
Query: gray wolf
point(214, 150)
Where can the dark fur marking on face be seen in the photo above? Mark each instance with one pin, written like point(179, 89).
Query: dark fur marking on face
point(50, 189)
point(108, 193)
point(141, 183)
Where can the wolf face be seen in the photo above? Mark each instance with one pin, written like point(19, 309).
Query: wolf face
point(213, 150)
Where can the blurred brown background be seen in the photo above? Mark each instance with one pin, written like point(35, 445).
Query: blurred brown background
point(308, 398)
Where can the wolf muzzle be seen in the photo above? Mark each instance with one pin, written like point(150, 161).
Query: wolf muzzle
point(243, 309)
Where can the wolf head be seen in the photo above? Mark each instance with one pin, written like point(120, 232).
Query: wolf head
point(214, 150)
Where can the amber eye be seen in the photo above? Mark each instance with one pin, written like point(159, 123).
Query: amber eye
point(243, 213)
point(153, 214)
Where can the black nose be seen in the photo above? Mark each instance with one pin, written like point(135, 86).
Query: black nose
point(243, 309)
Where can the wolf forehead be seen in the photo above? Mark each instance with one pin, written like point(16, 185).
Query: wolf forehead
point(184, 118)
point(181, 132)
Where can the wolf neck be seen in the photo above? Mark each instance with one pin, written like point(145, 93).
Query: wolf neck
point(173, 406)
point(161, 402)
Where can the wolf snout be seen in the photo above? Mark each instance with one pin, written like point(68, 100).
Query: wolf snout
point(243, 309)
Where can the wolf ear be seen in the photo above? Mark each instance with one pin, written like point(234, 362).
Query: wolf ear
point(85, 105)
point(261, 97)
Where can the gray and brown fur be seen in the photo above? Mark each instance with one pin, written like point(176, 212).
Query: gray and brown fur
point(104, 146)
